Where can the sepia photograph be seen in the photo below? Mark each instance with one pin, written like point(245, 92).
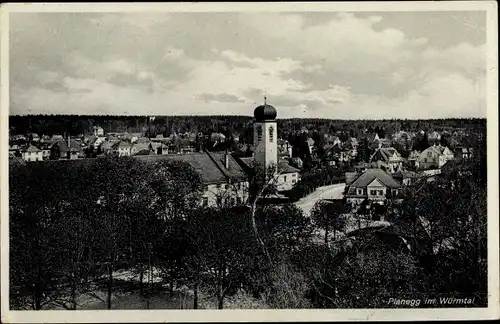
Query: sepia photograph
point(249, 162)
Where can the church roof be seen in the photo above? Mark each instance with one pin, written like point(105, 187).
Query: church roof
point(265, 112)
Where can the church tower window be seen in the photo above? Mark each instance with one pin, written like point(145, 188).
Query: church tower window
point(271, 134)
point(259, 133)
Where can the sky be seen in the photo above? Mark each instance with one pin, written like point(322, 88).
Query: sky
point(336, 65)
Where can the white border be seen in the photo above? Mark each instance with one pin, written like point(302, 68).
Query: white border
point(491, 312)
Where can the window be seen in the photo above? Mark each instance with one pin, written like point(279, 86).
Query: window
point(360, 191)
point(381, 192)
point(271, 134)
point(227, 186)
point(429, 154)
point(259, 133)
point(205, 201)
point(425, 160)
point(373, 192)
point(294, 175)
point(284, 178)
point(293, 180)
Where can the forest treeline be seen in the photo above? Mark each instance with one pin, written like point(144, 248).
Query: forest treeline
point(242, 125)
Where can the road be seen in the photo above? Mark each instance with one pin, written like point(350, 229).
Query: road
point(335, 191)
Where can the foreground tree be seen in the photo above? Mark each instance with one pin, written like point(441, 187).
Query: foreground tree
point(224, 246)
point(327, 215)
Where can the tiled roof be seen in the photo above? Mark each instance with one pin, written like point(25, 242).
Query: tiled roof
point(284, 167)
point(209, 165)
point(384, 153)
point(371, 174)
point(124, 144)
point(31, 149)
point(107, 145)
point(62, 146)
point(141, 146)
point(143, 152)
point(144, 140)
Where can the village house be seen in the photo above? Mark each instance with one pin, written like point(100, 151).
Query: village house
point(31, 154)
point(98, 131)
point(413, 159)
point(45, 147)
point(434, 157)
point(123, 148)
point(224, 181)
point(433, 137)
point(464, 152)
point(34, 137)
point(310, 144)
point(288, 176)
point(372, 186)
point(69, 149)
point(388, 159)
point(285, 148)
point(141, 147)
point(108, 147)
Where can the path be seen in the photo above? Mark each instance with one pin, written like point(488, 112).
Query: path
point(335, 191)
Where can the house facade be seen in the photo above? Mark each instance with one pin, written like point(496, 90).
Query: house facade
point(124, 148)
point(224, 181)
point(32, 154)
point(373, 186)
point(389, 157)
point(434, 157)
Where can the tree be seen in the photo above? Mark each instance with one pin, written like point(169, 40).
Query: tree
point(224, 245)
point(327, 216)
point(285, 228)
point(121, 185)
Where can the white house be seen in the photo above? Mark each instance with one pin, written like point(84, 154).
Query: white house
point(373, 185)
point(32, 153)
point(434, 157)
point(98, 131)
point(124, 148)
point(389, 158)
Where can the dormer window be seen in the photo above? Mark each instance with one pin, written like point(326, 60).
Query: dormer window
point(271, 134)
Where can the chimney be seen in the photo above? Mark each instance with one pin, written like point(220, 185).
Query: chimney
point(226, 160)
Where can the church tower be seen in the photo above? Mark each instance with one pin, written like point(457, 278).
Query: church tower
point(265, 135)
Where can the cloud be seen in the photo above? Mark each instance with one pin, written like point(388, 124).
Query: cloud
point(221, 97)
point(343, 65)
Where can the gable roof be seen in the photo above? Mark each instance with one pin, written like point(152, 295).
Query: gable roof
point(108, 145)
point(371, 174)
point(285, 167)
point(62, 146)
point(124, 144)
point(141, 146)
point(384, 154)
point(32, 149)
point(210, 166)
point(438, 149)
